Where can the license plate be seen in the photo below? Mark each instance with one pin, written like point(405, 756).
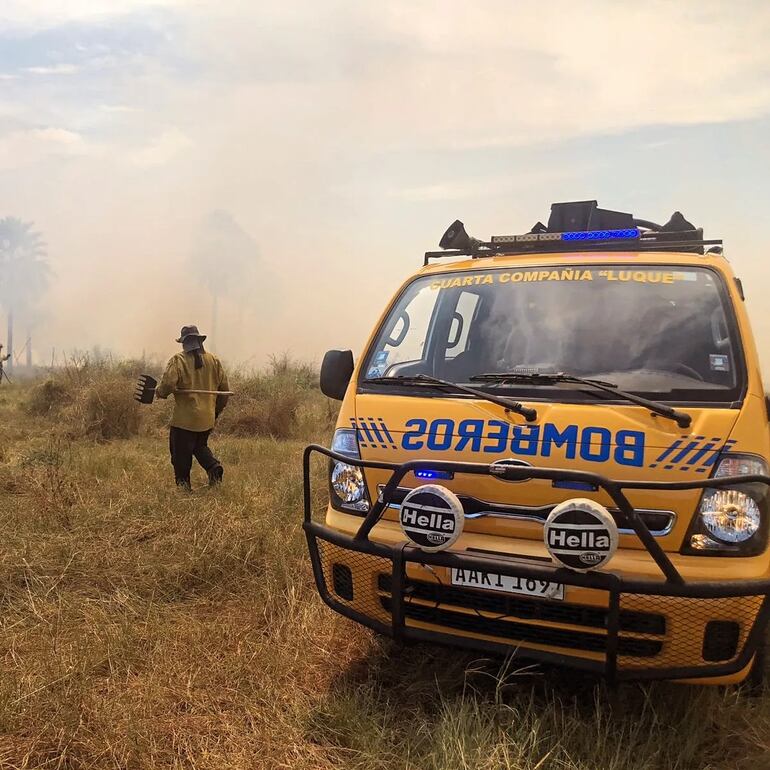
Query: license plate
point(507, 584)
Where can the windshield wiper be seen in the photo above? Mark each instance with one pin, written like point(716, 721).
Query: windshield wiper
point(426, 380)
point(682, 419)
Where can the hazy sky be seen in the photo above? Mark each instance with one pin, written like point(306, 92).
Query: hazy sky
point(344, 136)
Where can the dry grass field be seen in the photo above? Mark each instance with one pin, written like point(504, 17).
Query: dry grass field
point(142, 627)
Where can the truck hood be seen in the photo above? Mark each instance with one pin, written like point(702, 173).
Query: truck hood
point(613, 440)
point(621, 442)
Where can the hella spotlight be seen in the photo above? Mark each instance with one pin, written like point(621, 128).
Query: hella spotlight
point(456, 238)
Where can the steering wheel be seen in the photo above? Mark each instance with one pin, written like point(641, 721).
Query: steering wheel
point(688, 370)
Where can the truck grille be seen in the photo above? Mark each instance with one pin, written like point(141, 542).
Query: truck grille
point(524, 608)
point(521, 632)
point(508, 609)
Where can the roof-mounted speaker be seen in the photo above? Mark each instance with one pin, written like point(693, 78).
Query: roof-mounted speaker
point(455, 237)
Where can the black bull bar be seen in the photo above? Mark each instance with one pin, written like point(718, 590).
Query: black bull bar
point(673, 591)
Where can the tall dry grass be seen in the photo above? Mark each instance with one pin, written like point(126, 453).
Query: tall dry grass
point(141, 627)
point(93, 397)
point(281, 402)
point(89, 397)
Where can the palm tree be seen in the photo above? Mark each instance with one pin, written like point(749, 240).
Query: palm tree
point(24, 274)
point(224, 261)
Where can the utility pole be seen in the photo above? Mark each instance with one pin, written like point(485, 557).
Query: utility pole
point(10, 339)
point(214, 318)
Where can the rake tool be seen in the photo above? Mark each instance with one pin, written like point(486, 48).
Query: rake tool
point(146, 385)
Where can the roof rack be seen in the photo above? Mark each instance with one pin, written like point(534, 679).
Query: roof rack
point(596, 230)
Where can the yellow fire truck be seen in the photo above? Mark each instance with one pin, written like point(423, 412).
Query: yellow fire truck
point(556, 445)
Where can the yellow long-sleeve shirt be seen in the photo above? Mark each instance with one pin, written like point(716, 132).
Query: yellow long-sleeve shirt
point(194, 411)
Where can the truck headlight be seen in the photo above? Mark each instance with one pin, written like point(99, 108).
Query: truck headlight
point(347, 485)
point(729, 516)
point(731, 521)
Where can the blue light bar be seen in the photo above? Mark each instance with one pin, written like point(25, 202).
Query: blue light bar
point(626, 234)
point(584, 486)
point(434, 474)
point(601, 235)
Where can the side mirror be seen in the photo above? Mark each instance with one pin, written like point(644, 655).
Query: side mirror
point(336, 371)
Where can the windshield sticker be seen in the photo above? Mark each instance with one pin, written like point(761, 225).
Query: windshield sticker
point(566, 274)
point(379, 364)
point(719, 362)
point(592, 443)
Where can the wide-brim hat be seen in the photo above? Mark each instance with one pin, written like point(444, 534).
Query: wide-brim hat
point(190, 331)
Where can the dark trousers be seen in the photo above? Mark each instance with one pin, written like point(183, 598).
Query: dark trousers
point(186, 444)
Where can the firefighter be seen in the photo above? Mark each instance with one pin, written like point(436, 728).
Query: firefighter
point(3, 359)
point(194, 415)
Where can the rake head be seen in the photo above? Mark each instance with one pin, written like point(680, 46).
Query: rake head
point(145, 389)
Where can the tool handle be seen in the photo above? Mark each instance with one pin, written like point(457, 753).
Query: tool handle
point(208, 392)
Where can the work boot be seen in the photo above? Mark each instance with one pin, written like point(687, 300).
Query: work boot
point(184, 484)
point(215, 475)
